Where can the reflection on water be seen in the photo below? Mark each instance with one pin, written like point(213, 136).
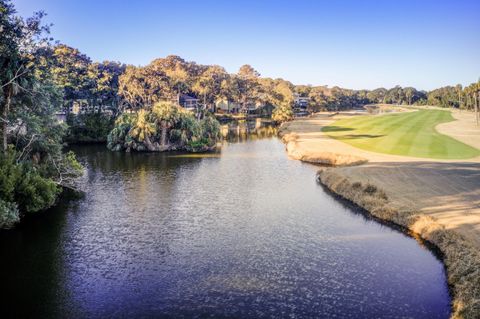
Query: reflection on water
point(247, 233)
point(240, 131)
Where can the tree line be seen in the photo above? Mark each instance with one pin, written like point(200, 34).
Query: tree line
point(126, 87)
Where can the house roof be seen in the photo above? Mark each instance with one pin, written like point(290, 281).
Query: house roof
point(187, 97)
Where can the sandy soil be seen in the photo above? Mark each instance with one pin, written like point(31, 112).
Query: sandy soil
point(463, 129)
point(437, 199)
point(448, 192)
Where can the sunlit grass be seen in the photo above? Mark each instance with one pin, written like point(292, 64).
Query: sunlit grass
point(410, 134)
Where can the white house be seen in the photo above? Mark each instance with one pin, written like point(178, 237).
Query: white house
point(300, 102)
point(227, 106)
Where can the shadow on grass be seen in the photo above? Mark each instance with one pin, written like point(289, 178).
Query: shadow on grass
point(356, 136)
point(336, 129)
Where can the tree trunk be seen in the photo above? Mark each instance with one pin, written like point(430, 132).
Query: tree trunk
point(476, 108)
point(148, 143)
point(459, 101)
point(163, 138)
point(4, 127)
point(5, 109)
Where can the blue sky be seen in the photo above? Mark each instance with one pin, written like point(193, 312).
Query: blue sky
point(354, 44)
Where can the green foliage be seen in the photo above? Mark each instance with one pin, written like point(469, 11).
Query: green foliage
point(88, 127)
point(10, 174)
point(118, 135)
point(282, 113)
point(205, 134)
point(145, 130)
point(165, 111)
point(78, 78)
point(456, 96)
point(210, 129)
point(22, 184)
point(9, 214)
point(71, 160)
point(32, 165)
point(197, 146)
point(143, 126)
point(186, 130)
point(34, 192)
point(444, 97)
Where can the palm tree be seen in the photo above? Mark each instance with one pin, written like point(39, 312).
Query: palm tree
point(474, 91)
point(142, 129)
point(166, 114)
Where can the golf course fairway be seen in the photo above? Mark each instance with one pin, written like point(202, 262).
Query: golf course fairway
point(408, 134)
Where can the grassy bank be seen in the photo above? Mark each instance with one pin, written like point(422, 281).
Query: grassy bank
point(409, 134)
point(461, 259)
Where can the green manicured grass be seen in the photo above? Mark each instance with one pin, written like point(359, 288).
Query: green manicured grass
point(410, 134)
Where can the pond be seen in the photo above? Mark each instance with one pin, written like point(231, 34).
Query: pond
point(244, 233)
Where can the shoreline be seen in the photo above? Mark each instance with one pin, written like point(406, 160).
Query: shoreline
point(460, 258)
point(345, 175)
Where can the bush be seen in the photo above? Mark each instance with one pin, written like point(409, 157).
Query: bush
point(186, 130)
point(22, 187)
point(89, 127)
point(9, 214)
point(370, 189)
point(10, 174)
point(210, 129)
point(165, 127)
point(197, 146)
point(282, 113)
point(118, 135)
point(34, 193)
point(357, 185)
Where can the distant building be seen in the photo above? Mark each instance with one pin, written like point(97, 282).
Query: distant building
point(264, 110)
point(300, 102)
point(82, 106)
point(187, 102)
point(253, 107)
point(61, 116)
point(228, 106)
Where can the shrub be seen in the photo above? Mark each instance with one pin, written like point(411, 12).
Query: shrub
point(9, 214)
point(282, 113)
point(370, 189)
point(198, 146)
point(34, 192)
point(186, 130)
point(22, 187)
point(165, 127)
point(10, 174)
point(357, 185)
point(210, 128)
point(118, 135)
point(89, 127)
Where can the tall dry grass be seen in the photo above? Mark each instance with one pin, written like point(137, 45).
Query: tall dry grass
point(295, 151)
point(461, 259)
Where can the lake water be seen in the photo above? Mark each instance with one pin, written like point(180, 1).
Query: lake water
point(245, 233)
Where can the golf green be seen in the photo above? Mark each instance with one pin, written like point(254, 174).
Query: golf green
point(409, 134)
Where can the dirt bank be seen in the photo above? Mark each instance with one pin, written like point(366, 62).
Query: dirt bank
point(436, 200)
